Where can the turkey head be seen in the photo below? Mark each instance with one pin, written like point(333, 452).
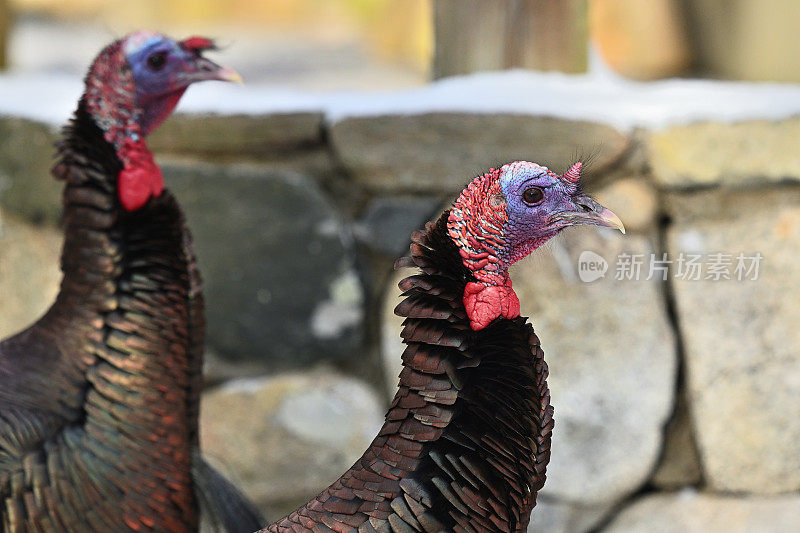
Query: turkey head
point(132, 86)
point(505, 214)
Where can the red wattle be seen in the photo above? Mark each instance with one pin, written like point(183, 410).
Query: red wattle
point(141, 178)
point(484, 303)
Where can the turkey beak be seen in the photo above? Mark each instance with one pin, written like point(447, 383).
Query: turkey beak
point(584, 210)
point(202, 69)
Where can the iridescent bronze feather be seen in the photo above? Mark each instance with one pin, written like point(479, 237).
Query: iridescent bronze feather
point(99, 398)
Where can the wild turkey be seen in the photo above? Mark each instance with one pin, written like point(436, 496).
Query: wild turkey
point(466, 440)
point(99, 398)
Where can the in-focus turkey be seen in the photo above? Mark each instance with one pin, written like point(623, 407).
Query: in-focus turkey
point(466, 440)
point(99, 398)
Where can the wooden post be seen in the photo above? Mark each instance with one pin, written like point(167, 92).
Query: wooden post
point(642, 40)
point(548, 35)
point(473, 35)
point(468, 36)
point(5, 28)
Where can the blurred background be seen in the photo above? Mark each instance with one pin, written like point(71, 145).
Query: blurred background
point(341, 44)
point(676, 400)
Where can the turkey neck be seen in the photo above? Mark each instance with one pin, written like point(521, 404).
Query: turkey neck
point(466, 439)
point(477, 400)
point(129, 312)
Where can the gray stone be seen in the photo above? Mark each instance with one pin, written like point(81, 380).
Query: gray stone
point(741, 338)
point(277, 263)
point(556, 517)
point(708, 153)
point(286, 437)
point(389, 220)
point(679, 465)
point(442, 152)
point(335, 415)
point(690, 512)
point(237, 134)
point(26, 155)
point(29, 272)
point(612, 361)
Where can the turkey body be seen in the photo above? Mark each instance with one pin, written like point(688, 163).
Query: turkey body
point(466, 440)
point(99, 398)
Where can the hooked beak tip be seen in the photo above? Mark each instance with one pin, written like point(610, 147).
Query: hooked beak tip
point(588, 212)
point(228, 74)
point(610, 219)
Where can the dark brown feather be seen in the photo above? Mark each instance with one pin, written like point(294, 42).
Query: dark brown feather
point(467, 437)
point(99, 398)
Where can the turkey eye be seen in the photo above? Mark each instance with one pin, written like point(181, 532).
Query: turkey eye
point(157, 61)
point(533, 195)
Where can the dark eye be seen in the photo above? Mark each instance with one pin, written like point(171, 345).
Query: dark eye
point(157, 60)
point(532, 195)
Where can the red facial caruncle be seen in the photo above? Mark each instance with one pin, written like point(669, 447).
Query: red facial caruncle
point(573, 175)
point(477, 224)
point(110, 99)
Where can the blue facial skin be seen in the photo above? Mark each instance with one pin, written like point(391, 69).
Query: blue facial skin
point(162, 69)
point(528, 222)
point(154, 80)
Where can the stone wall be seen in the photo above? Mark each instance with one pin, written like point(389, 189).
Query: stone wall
point(676, 399)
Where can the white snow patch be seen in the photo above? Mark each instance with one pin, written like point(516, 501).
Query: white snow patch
point(245, 385)
point(329, 227)
point(691, 241)
point(45, 98)
point(597, 97)
point(342, 309)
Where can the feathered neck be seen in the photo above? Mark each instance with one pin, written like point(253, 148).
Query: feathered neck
point(130, 301)
point(96, 228)
point(110, 99)
point(487, 408)
point(467, 437)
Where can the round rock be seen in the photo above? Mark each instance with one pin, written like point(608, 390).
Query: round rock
point(741, 339)
point(285, 438)
point(700, 513)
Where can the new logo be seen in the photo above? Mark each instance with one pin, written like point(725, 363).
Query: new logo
point(591, 266)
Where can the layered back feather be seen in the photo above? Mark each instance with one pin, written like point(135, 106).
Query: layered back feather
point(466, 441)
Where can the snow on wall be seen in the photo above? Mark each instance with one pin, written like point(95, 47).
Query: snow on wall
point(598, 97)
